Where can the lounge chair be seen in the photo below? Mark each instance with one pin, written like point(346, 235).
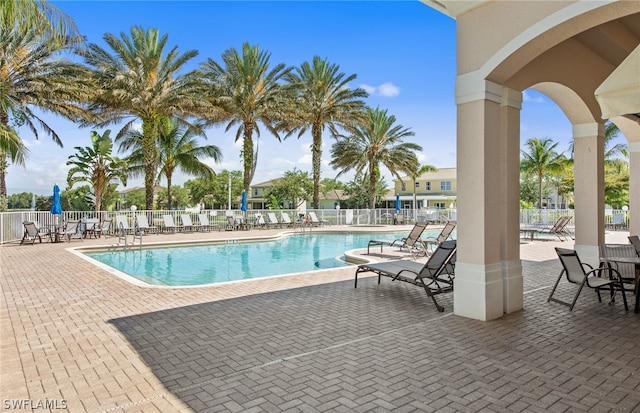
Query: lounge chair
point(315, 221)
point(413, 243)
point(559, 228)
point(445, 234)
point(635, 240)
point(188, 225)
point(89, 226)
point(142, 225)
point(71, 230)
point(259, 221)
point(122, 224)
point(31, 233)
point(286, 220)
point(204, 222)
point(169, 224)
point(103, 228)
point(582, 274)
point(432, 275)
point(273, 220)
point(231, 223)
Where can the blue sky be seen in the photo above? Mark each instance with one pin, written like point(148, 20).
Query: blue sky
point(403, 53)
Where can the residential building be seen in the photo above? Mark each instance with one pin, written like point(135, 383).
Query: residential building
point(435, 189)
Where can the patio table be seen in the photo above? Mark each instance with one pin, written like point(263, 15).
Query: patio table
point(530, 231)
point(636, 261)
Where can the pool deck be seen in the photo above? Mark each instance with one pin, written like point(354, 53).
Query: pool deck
point(75, 337)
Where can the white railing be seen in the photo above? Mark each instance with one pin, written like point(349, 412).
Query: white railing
point(11, 228)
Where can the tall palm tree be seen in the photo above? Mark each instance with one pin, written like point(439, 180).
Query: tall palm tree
point(33, 74)
point(540, 160)
point(249, 93)
point(324, 99)
point(378, 141)
point(139, 81)
point(177, 150)
point(95, 164)
point(40, 15)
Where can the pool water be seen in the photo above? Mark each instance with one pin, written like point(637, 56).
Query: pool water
point(216, 263)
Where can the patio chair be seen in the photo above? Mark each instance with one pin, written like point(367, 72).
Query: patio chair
point(188, 225)
point(71, 229)
point(31, 233)
point(413, 243)
point(122, 224)
point(286, 220)
point(204, 222)
point(231, 223)
point(90, 225)
point(103, 228)
point(627, 271)
point(315, 221)
point(169, 224)
point(43, 230)
point(559, 228)
point(432, 276)
point(432, 242)
point(259, 221)
point(273, 220)
point(142, 225)
point(582, 274)
point(635, 241)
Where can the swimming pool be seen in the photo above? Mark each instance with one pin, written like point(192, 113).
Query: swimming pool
point(217, 263)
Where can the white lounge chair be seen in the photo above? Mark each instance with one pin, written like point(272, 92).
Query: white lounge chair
point(204, 222)
point(122, 224)
point(142, 225)
point(259, 222)
point(188, 225)
point(286, 220)
point(169, 224)
point(314, 219)
point(273, 220)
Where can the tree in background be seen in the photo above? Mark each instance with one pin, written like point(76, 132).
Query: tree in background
point(293, 189)
point(177, 149)
point(139, 81)
point(248, 93)
point(358, 191)
point(324, 99)
point(616, 181)
point(540, 160)
point(95, 165)
point(179, 198)
point(376, 142)
point(215, 191)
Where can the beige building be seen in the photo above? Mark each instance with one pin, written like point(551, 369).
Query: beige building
point(585, 56)
point(432, 190)
point(257, 199)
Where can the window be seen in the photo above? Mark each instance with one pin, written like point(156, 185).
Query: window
point(404, 187)
point(255, 192)
point(417, 184)
point(445, 186)
point(439, 205)
point(428, 186)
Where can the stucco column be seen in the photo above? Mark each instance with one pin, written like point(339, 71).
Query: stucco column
point(634, 188)
point(479, 283)
point(510, 107)
point(588, 153)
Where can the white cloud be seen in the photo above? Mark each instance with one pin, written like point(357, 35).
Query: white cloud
point(389, 90)
point(369, 89)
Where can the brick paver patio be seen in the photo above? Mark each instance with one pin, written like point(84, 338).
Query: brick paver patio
point(75, 337)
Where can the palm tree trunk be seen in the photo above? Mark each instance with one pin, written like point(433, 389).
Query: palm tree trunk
point(4, 118)
point(149, 131)
point(539, 191)
point(373, 178)
point(247, 148)
point(316, 151)
point(169, 197)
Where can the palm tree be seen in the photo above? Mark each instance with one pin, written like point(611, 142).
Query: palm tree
point(324, 99)
point(34, 75)
point(177, 150)
point(540, 160)
point(249, 93)
point(377, 141)
point(415, 175)
point(95, 164)
point(140, 81)
point(48, 20)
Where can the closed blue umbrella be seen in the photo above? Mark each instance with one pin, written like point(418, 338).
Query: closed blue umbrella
point(56, 208)
point(398, 202)
point(243, 205)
